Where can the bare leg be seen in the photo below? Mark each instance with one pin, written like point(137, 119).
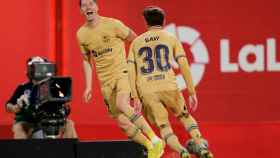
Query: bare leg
point(138, 120)
point(70, 131)
point(133, 132)
point(19, 132)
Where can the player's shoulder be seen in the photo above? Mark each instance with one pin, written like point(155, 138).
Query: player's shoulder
point(110, 20)
point(168, 34)
point(139, 38)
point(168, 37)
point(82, 31)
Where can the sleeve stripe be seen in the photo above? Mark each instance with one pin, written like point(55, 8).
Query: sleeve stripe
point(179, 56)
point(131, 61)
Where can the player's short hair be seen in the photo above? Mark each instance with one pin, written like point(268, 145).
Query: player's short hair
point(80, 2)
point(154, 15)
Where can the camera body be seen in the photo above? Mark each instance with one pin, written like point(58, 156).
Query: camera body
point(39, 70)
point(54, 89)
point(51, 94)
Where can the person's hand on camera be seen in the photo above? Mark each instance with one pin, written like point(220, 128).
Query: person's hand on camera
point(15, 108)
point(87, 95)
point(22, 100)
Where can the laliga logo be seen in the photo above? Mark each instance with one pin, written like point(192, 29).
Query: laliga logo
point(198, 49)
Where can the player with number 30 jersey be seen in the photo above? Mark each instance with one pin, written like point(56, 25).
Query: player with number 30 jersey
point(154, 82)
point(153, 52)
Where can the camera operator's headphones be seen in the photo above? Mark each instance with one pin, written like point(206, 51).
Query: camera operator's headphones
point(30, 61)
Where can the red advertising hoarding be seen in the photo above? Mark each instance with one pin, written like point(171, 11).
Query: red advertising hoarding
point(25, 31)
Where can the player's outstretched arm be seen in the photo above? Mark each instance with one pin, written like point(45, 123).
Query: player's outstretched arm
point(132, 80)
point(124, 32)
point(185, 70)
point(87, 66)
point(132, 72)
point(134, 94)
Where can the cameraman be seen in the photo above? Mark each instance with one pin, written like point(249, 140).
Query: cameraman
point(21, 103)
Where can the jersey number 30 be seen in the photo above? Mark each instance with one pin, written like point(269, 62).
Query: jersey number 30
point(151, 55)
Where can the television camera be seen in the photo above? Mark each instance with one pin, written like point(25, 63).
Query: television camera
point(50, 95)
